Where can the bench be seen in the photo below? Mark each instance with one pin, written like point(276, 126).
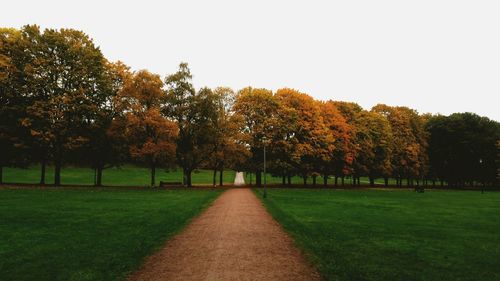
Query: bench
point(168, 183)
point(419, 189)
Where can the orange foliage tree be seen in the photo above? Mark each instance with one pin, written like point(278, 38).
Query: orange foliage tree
point(303, 139)
point(341, 159)
point(151, 136)
point(257, 108)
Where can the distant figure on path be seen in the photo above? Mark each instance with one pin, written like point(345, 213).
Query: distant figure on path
point(239, 180)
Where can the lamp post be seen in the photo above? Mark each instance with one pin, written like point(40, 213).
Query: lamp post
point(481, 175)
point(265, 177)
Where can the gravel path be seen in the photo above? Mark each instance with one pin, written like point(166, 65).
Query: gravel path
point(234, 239)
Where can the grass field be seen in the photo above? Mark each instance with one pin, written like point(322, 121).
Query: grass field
point(126, 175)
point(88, 235)
point(394, 235)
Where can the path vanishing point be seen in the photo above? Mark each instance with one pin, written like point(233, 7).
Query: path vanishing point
point(234, 239)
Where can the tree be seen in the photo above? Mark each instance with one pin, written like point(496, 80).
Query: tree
point(306, 139)
point(67, 82)
point(228, 149)
point(497, 180)
point(341, 158)
point(193, 112)
point(378, 136)
point(352, 113)
point(462, 148)
point(151, 137)
point(370, 148)
point(258, 109)
point(409, 142)
point(12, 96)
point(106, 147)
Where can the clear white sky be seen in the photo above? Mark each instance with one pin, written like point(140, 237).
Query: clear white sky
point(432, 55)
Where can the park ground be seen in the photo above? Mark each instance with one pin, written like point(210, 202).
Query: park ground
point(95, 234)
point(393, 235)
point(89, 234)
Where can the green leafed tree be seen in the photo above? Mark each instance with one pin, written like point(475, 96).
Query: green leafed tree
point(67, 80)
point(462, 148)
point(194, 112)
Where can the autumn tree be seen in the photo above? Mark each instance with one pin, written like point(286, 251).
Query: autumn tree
point(228, 149)
point(409, 142)
point(341, 158)
point(151, 137)
point(307, 141)
point(258, 109)
point(351, 113)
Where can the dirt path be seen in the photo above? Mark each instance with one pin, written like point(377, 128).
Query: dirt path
point(234, 239)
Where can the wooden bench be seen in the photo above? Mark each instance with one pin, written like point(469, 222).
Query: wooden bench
point(169, 183)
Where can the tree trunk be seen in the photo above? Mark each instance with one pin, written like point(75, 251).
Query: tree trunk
point(304, 178)
point(289, 179)
point(188, 178)
point(336, 180)
point(325, 180)
point(283, 179)
point(386, 181)
point(372, 181)
point(1, 174)
point(153, 175)
point(98, 181)
point(314, 180)
point(57, 171)
point(342, 180)
point(221, 175)
point(258, 178)
point(42, 171)
point(215, 177)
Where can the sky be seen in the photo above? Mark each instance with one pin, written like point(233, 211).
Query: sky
point(435, 56)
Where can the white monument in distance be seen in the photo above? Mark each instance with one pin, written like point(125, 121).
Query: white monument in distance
point(239, 180)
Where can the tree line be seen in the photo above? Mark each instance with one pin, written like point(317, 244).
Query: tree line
point(62, 102)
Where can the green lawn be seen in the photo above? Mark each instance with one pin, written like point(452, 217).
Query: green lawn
point(126, 175)
point(394, 235)
point(88, 234)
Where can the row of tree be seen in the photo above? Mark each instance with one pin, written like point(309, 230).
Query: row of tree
point(63, 103)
